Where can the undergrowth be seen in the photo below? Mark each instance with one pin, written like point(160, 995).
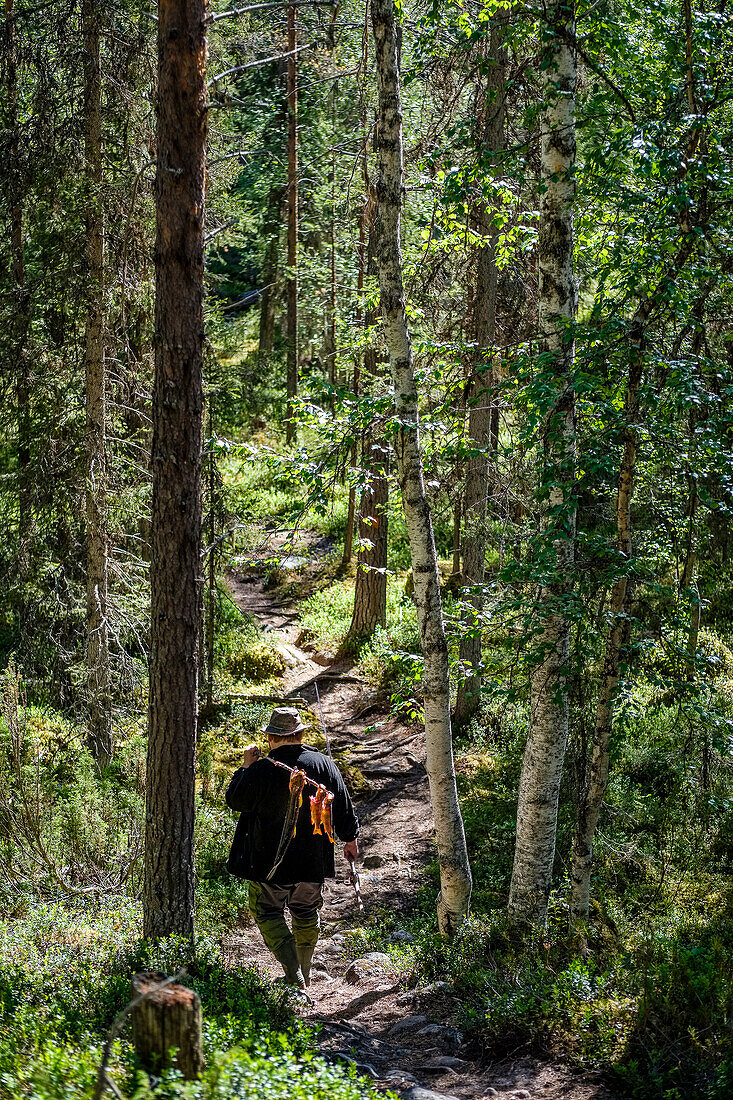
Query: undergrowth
point(65, 973)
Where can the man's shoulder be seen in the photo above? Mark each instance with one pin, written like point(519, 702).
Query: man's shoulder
point(309, 750)
point(312, 757)
point(257, 771)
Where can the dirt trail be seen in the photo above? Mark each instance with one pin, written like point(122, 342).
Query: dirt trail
point(408, 1041)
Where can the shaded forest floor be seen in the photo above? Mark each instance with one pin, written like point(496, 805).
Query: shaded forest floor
point(406, 1039)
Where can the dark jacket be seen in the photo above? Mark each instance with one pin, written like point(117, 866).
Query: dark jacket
point(261, 793)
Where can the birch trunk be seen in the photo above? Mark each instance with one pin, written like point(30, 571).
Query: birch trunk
point(455, 874)
point(539, 785)
point(596, 782)
point(482, 402)
point(98, 695)
point(175, 580)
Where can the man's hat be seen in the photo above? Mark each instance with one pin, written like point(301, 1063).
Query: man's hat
point(285, 722)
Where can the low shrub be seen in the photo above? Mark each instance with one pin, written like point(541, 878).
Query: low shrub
point(64, 975)
point(246, 656)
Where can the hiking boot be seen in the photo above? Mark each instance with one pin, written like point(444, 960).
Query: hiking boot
point(305, 958)
point(287, 956)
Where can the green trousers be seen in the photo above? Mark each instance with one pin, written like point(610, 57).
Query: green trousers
point(267, 906)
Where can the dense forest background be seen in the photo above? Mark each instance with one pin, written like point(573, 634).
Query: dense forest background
point(579, 480)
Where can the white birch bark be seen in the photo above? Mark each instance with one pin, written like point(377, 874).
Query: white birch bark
point(455, 874)
point(539, 785)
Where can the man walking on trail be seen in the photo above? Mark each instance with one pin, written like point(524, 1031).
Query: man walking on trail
point(284, 840)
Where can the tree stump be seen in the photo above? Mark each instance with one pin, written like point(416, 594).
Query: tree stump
point(166, 1020)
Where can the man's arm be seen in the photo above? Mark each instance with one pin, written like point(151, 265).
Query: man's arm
point(345, 821)
point(239, 791)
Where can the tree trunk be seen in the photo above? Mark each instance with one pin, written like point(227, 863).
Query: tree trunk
point(269, 273)
point(14, 184)
point(539, 785)
point(98, 692)
point(176, 465)
point(456, 563)
point(618, 629)
point(455, 874)
point(616, 637)
point(164, 1020)
point(365, 261)
point(482, 401)
point(330, 340)
point(211, 602)
point(688, 583)
point(292, 365)
point(370, 594)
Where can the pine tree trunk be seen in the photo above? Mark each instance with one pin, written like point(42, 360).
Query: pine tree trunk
point(370, 593)
point(269, 273)
point(98, 692)
point(594, 788)
point(292, 357)
point(455, 874)
point(14, 185)
point(330, 341)
point(482, 400)
point(539, 785)
point(366, 262)
point(211, 600)
point(176, 466)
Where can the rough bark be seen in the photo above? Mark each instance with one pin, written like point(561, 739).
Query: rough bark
point(366, 261)
point(455, 874)
point(330, 333)
point(98, 694)
point(292, 356)
point(211, 596)
point(269, 272)
point(482, 403)
point(539, 785)
point(176, 466)
point(14, 185)
point(165, 1020)
point(596, 781)
point(370, 593)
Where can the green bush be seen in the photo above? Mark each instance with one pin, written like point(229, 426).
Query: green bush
point(72, 829)
point(247, 656)
point(237, 1074)
point(64, 975)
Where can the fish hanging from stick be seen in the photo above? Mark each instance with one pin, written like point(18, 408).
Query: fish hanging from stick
point(328, 817)
point(321, 817)
point(321, 814)
point(295, 801)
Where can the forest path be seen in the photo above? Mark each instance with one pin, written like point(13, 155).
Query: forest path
point(407, 1041)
